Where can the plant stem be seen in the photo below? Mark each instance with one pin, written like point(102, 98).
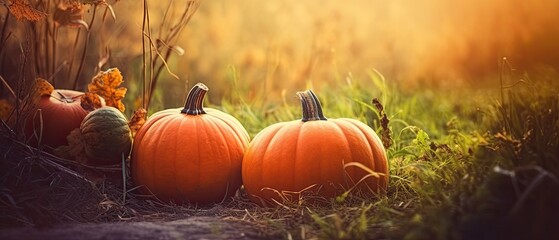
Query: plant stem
point(3, 39)
point(5, 25)
point(157, 72)
point(85, 47)
point(72, 54)
point(48, 37)
point(151, 58)
point(312, 110)
point(144, 65)
point(20, 83)
point(37, 49)
point(54, 50)
point(146, 33)
point(195, 99)
point(63, 98)
point(164, 43)
point(53, 36)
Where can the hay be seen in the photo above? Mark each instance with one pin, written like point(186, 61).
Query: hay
point(42, 190)
point(39, 189)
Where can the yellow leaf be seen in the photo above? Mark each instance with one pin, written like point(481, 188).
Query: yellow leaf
point(106, 84)
point(137, 120)
point(90, 101)
point(22, 10)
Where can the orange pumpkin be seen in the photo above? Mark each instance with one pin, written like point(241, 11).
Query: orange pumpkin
point(55, 117)
point(191, 154)
point(318, 156)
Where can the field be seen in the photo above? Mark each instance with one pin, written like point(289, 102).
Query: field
point(467, 110)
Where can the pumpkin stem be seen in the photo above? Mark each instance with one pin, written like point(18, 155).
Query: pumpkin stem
point(64, 98)
point(193, 105)
point(312, 110)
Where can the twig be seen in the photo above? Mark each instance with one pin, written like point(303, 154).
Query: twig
point(86, 44)
point(533, 184)
point(123, 179)
point(144, 62)
point(73, 54)
point(164, 39)
point(9, 88)
point(47, 38)
point(3, 37)
point(542, 174)
point(56, 71)
point(20, 82)
point(54, 56)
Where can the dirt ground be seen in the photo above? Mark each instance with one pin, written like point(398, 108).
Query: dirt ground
point(188, 228)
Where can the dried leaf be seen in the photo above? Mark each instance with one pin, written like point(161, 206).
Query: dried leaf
point(40, 88)
point(99, 3)
point(385, 134)
point(70, 15)
point(106, 84)
point(93, 2)
point(104, 58)
point(75, 149)
point(178, 50)
point(90, 101)
point(22, 10)
point(137, 120)
point(6, 109)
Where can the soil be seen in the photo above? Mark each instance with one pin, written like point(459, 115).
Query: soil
point(188, 228)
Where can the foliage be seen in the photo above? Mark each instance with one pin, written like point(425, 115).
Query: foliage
point(107, 85)
point(22, 10)
point(513, 176)
point(465, 163)
point(451, 169)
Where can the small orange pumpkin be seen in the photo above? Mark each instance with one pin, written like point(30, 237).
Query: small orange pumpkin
point(190, 154)
point(55, 117)
point(321, 156)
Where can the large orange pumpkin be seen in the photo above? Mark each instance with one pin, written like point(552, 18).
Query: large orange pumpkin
point(55, 117)
point(191, 154)
point(318, 156)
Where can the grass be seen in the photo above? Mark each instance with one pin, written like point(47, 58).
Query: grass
point(451, 163)
point(465, 163)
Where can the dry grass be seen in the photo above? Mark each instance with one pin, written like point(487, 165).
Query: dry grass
point(461, 166)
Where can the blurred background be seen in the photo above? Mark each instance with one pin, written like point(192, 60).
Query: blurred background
point(287, 44)
point(274, 46)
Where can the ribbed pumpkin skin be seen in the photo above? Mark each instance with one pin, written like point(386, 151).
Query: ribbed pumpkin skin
point(290, 157)
point(189, 158)
point(107, 136)
point(59, 118)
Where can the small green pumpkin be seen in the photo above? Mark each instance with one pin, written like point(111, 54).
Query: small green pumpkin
point(106, 136)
